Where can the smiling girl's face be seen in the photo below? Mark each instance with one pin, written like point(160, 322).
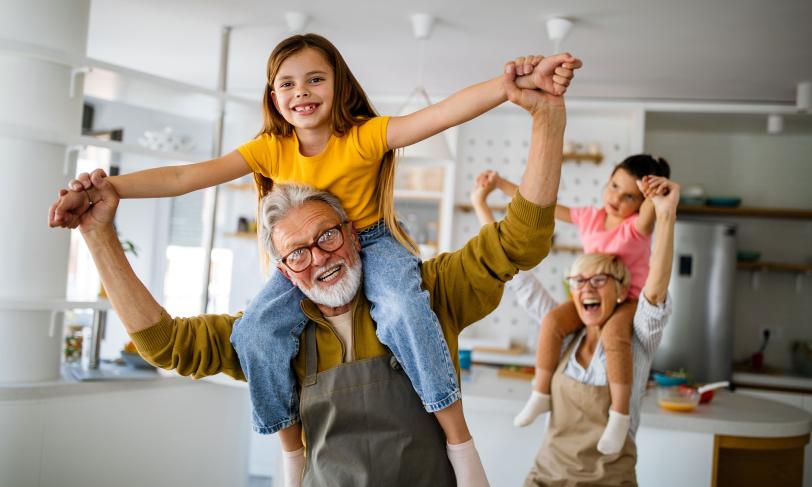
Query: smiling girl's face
point(621, 196)
point(303, 90)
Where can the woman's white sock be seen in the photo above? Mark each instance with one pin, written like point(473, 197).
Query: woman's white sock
point(614, 435)
point(468, 467)
point(539, 403)
point(293, 463)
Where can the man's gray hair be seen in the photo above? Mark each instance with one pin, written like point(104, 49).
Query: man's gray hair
point(282, 200)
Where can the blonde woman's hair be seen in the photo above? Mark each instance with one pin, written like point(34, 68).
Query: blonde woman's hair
point(591, 264)
point(350, 107)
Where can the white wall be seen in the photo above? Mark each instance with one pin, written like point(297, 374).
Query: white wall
point(143, 221)
point(771, 171)
point(500, 141)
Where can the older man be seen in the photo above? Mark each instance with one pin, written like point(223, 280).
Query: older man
point(363, 423)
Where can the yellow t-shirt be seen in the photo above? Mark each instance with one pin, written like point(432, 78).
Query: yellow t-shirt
point(348, 166)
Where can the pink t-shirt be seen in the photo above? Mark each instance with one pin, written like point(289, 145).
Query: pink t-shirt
point(625, 241)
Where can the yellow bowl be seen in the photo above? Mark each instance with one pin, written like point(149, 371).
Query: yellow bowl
point(678, 399)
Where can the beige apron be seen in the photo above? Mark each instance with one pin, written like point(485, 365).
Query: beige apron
point(569, 455)
point(365, 426)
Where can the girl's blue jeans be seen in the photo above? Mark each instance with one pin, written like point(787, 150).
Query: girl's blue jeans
point(266, 338)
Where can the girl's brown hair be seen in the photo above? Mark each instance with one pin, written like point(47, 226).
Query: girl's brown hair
point(350, 107)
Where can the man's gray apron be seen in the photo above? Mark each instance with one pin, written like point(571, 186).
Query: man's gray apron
point(365, 426)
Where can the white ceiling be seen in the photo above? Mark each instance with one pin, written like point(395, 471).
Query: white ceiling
point(732, 50)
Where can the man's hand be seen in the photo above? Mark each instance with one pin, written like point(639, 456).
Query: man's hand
point(532, 100)
point(105, 202)
point(551, 74)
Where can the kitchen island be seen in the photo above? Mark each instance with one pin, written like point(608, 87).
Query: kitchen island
point(735, 434)
point(163, 430)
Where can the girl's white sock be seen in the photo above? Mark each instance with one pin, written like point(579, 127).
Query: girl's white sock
point(468, 467)
point(538, 403)
point(293, 463)
point(614, 436)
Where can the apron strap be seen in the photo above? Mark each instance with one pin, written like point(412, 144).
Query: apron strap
point(311, 355)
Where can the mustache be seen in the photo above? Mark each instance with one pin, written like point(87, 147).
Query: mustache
point(321, 270)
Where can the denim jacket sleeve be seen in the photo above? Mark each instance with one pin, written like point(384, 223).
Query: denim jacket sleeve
point(467, 284)
point(198, 346)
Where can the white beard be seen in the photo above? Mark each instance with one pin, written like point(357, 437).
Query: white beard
point(339, 293)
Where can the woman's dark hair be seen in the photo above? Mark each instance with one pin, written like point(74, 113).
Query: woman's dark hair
point(641, 165)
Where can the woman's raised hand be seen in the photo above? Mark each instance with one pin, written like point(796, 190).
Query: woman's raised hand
point(663, 192)
point(484, 184)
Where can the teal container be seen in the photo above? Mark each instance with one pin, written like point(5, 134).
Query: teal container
point(465, 359)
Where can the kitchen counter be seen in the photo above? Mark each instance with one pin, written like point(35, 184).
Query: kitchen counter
point(728, 414)
point(780, 382)
point(128, 380)
point(110, 432)
point(707, 440)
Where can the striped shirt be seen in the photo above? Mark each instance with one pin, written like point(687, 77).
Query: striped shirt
point(649, 321)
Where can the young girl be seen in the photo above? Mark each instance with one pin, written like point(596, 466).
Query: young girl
point(623, 228)
point(320, 129)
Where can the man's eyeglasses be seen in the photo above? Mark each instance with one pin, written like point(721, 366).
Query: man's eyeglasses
point(597, 281)
point(329, 240)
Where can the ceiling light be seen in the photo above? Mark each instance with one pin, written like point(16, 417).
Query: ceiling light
point(803, 97)
point(775, 124)
point(421, 26)
point(557, 30)
point(435, 147)
point(296, 21)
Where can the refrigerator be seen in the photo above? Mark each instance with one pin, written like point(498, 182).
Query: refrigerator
point(699, 334)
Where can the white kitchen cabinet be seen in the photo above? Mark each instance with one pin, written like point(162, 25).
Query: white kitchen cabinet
point(166, 431)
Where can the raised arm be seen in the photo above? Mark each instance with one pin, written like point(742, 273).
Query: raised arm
point(483, 186)
point(645, 220)
point(542, 175)
point(197, 346)
point(150, 183)
point(133, 303)
point(551, 73)
point(476, 273)
point(664, 195)
point(562, 213)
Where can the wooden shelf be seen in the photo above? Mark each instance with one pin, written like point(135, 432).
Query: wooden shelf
point(789, 213)
point(568, 248)
point(583, 156)
point(242, 186)
point(468, 208)
point(774, 266)
point(418, 195)
point(252, 236)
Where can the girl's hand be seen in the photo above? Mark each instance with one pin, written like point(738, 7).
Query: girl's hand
point(71, 204)
point(484, 184)
point(68, 209)
point(552, 74)
point(651, 185)
point(531, 100)
point(664, 194)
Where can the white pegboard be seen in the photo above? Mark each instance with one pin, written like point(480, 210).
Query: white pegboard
point(500, 142)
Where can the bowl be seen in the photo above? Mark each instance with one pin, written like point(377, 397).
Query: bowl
point(678, 399)
point(705, 397)
point(724, 201)
point(747, 255)
point(136, 361)
point(691, 200)
point(668, 380)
